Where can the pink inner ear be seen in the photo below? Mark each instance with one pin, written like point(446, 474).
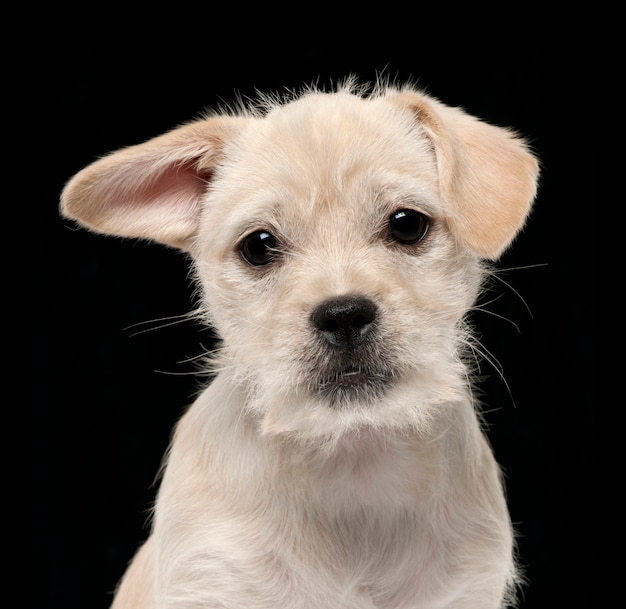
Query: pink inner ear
point(177, 189)
point(157, 200)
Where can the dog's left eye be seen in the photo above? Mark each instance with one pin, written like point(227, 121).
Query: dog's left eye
point(259, 248)
point(407, 226)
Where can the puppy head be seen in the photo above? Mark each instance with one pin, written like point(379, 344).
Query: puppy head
point(338, 242)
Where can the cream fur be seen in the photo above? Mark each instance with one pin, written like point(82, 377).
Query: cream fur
point(275, 493)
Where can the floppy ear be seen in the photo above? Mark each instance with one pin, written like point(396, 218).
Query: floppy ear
point(152, 190)
point(487, 175)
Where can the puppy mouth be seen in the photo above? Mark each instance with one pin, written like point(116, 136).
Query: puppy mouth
point(353, 385)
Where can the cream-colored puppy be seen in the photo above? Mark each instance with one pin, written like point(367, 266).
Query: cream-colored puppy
point(337, 459)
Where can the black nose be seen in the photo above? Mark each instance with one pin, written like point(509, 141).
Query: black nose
point(344, 322)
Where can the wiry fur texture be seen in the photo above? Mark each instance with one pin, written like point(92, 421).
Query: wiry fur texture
point(314, 471)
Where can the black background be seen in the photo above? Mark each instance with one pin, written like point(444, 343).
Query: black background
point(106, 395)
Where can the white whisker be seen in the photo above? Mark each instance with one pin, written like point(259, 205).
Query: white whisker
point(494, 273)
point(171, 321)
point(482, 309)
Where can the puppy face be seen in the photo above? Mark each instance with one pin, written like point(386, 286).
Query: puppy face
point(337, 240)
point(329, 270)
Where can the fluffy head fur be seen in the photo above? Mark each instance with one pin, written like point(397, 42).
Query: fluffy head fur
point(338, 240)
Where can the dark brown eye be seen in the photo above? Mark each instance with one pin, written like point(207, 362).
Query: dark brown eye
point(259, 248)
point(407, 226)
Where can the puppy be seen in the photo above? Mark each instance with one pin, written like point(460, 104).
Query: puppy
point(337, 458)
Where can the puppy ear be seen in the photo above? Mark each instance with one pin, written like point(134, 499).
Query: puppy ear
point(152, 190)
point(488, 176)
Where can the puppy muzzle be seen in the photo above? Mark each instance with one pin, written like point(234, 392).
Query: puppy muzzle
point(346, 328)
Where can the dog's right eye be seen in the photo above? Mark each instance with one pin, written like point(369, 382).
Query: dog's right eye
point(259, 248)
